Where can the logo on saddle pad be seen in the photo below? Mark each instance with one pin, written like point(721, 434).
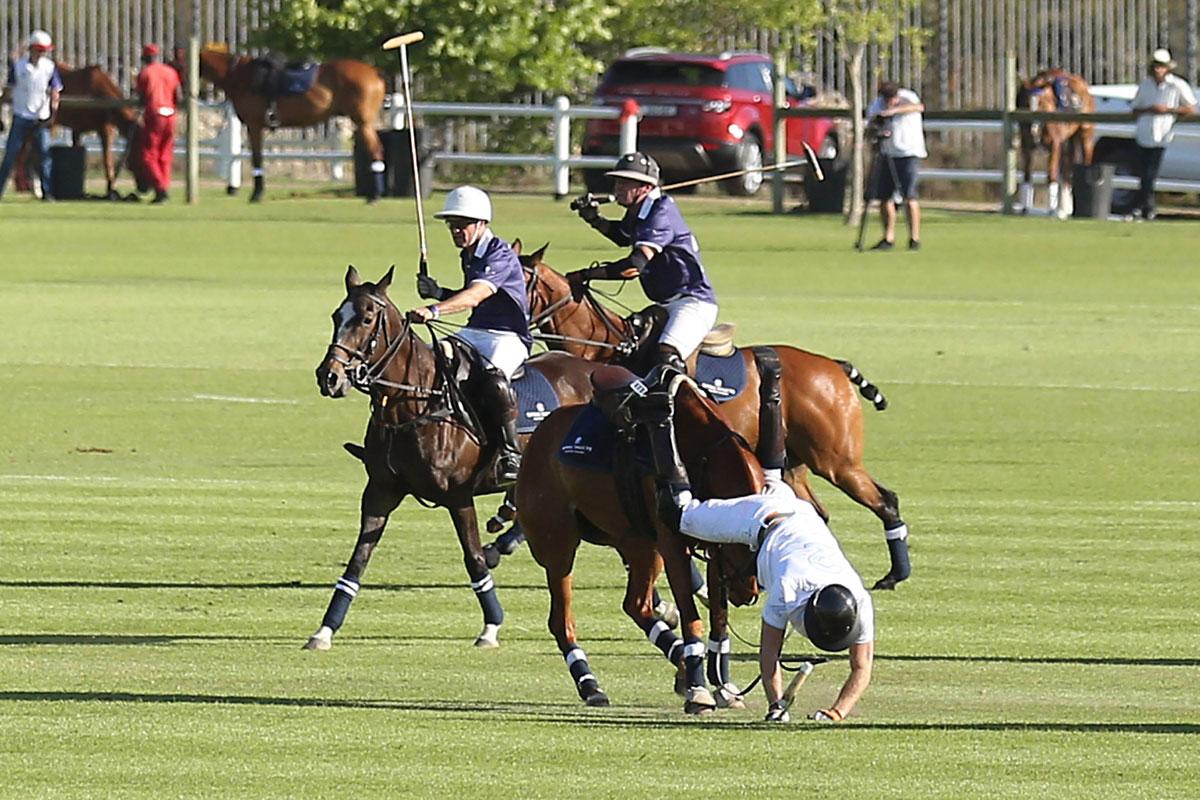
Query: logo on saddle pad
point(718, 389)
point(538, 413)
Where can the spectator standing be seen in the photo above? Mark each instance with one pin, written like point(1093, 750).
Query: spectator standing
point(159, 91)
point(34, 86)
point(1161, 97)
point(897, 114)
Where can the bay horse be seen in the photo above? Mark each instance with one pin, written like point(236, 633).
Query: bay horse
point(562, 504)
point(416, 442)
point(1067, 143)
point(343, 87)
point(107, 123)
point(822, 416)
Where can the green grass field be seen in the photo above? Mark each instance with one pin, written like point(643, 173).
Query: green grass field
point(175, 507)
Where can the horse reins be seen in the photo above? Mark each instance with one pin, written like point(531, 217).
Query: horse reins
point(546, 316)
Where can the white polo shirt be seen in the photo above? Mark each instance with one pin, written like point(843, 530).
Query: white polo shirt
point(798, 557)
point(31, 84)
point(908, 130)
point(1157, 130)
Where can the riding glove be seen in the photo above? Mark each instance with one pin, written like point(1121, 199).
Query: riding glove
point(777, 712)
point(428, 288)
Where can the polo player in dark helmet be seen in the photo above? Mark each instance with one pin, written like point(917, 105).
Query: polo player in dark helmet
point(665, 256)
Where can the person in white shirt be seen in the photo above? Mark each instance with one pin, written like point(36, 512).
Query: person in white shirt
point(808, 581)
point(1161, 98)
point(33, 87)
point(896, 115)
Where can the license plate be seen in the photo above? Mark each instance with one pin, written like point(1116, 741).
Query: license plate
point(651, 110)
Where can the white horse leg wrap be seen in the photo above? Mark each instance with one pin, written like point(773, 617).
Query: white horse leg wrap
point(1054, 196)
point(899, 532)
point(1025, 198)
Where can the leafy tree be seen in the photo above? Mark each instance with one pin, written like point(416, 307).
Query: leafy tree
point(474, 50)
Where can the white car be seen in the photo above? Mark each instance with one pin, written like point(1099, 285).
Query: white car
point(1115, 142)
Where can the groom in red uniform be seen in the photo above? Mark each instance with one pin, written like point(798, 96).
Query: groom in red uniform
point(159, 88)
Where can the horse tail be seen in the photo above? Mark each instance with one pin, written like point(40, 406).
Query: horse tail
point(865, 387)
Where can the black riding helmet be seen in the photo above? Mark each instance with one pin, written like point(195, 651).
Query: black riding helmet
point(636, 167)
point(831, 618)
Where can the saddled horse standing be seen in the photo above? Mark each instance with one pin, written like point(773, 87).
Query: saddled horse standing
point(1067, 143)
point(93, 83)
point(420, 439)
point(342, 87)
point(572, 490)
point(815, 395)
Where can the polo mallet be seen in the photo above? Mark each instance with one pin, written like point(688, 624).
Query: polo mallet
point(401, 43)
point(810, 158)
point(805, 669)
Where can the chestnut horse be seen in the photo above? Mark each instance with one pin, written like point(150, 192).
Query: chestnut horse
point(93, 83)
point(822, 416)
point(562, 505)
point(1068, 143)
point(343, 87)
point(416, 442)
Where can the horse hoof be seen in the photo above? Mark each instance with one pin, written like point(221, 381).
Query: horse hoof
point(489, 637)
point(231, 190)
point(681, 683)
point(321, 640)
point(699, 701)
point(729, 696)
point(491, 556)
point(668, 613)
point(597, 699)
point(886, 583)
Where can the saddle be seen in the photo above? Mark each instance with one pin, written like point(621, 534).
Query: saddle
point(274, 78)
point(637, 410)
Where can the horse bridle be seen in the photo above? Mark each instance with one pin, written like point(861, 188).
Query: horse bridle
point(360, 371)
point(624, 347)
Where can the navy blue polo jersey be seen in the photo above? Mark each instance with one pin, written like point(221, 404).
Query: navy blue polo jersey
point(492, 260)
point(675, 269)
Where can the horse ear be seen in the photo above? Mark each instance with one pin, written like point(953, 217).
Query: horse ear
point(516, 246)
point(352, 278)
point(386, 280)
point(536, 258)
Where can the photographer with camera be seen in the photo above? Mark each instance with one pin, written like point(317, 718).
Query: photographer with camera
point(895, 121)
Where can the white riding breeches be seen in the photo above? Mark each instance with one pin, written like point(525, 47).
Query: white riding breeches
point(503, 349)
point(688, 321)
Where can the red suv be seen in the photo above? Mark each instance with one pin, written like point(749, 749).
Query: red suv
point(702, 115)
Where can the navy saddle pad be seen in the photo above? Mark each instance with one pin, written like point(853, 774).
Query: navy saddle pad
point(721, 377)
point(591, 443)
point(299, 79)
point(535, 399)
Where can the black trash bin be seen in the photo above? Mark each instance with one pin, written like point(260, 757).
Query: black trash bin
point(397, 159)
point(827, 196)
point(1092, 188)
point(68, 166)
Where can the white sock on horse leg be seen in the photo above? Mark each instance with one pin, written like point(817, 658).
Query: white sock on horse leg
point(1025, 198)
point(1054, 195)
point(1068, 201)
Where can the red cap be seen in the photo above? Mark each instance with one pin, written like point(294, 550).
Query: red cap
point(150, 50)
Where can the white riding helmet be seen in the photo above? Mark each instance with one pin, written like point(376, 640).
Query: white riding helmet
point(468, 202)
point(41, 39)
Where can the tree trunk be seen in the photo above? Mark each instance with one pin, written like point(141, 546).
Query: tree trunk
point(858, 108)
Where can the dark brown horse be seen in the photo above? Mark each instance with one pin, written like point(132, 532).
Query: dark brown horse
point(93, 83)
point(343, 87)
point(562, 505)
point(416, 442)
point(822, 415)
point(1068, 143)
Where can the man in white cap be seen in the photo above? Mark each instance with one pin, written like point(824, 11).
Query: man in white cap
point(1161, 97)
point(664, 256)
point(498, 328)
point(33, 86)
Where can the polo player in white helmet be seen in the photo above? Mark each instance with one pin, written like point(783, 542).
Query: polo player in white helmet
point(665, 256)
point(498, 328)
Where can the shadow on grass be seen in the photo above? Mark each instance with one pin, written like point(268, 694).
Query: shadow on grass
point(153, 639)
point(570, 713)
point(1098, 661)
point(325, 586)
